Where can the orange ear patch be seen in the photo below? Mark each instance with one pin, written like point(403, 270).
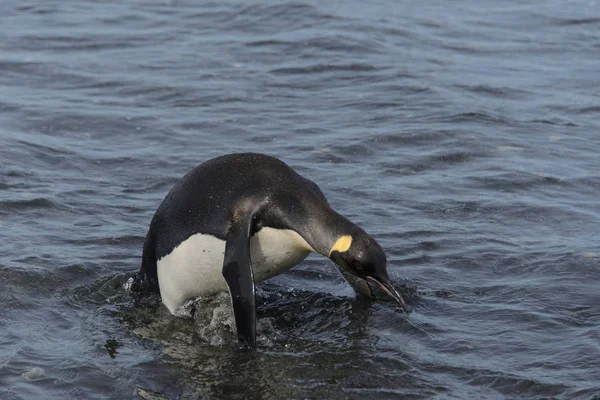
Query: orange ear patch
point(342, 244)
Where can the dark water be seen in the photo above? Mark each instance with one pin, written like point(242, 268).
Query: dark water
point(464, 136)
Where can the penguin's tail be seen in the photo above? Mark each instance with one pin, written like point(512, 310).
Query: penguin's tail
point(146, 280)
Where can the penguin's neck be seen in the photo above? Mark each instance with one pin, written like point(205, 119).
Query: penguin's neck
point(327, 228)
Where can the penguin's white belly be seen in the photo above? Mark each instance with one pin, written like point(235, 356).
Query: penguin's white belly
point(194, 268)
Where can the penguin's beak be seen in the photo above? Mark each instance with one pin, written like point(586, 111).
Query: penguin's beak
point(385, 285)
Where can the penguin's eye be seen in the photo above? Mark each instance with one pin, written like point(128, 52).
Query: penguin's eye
point(357, 266)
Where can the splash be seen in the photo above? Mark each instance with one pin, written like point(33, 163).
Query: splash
point(214, 322)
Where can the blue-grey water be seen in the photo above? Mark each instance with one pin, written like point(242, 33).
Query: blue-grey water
point(463, 135)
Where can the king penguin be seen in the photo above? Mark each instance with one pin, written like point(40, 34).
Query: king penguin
point(239, 219)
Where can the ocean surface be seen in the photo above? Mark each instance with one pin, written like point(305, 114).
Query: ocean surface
point(463, 135)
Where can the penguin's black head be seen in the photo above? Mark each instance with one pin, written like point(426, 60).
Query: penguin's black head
point(363, 257)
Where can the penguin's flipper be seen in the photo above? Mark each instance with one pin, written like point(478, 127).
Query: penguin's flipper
point(237, 271)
